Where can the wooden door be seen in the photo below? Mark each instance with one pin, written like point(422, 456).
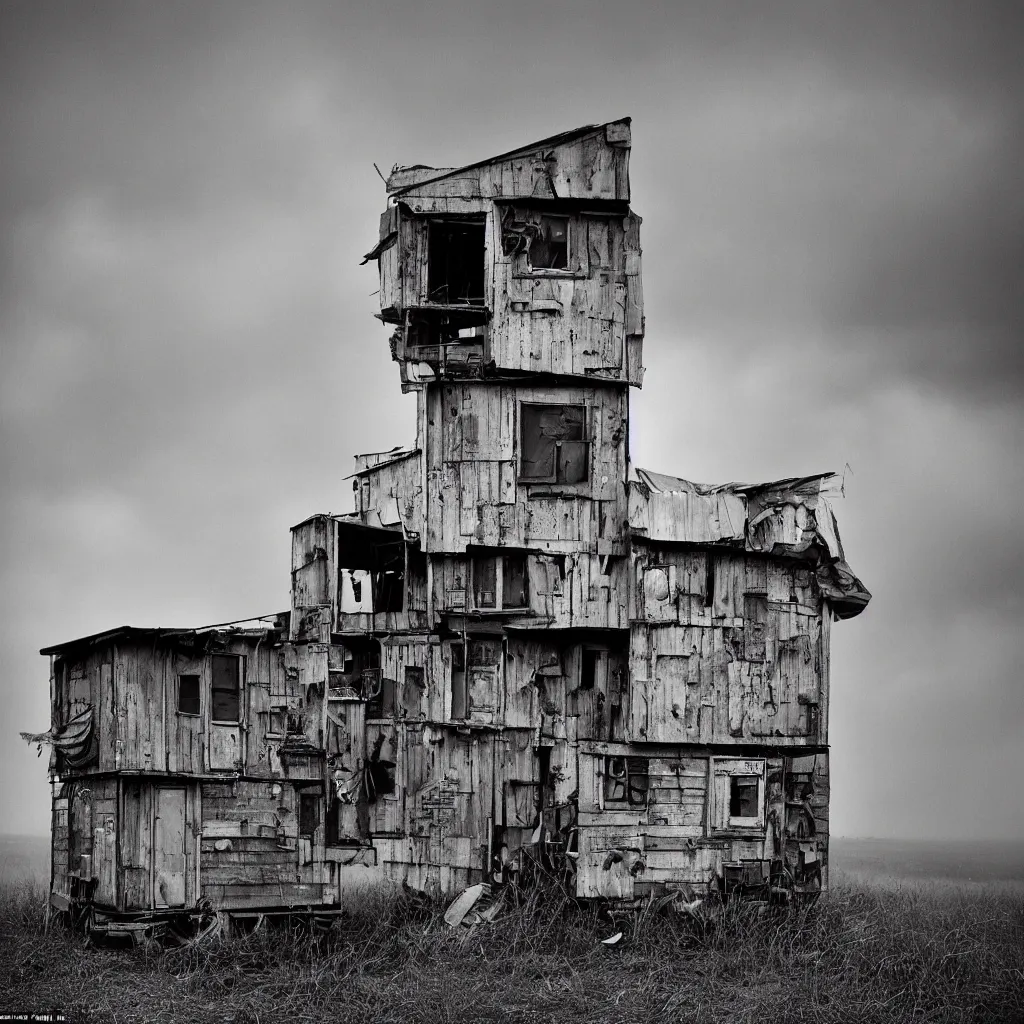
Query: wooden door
point(169, 848)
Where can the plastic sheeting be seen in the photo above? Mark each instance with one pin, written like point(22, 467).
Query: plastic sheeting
point(782, 518)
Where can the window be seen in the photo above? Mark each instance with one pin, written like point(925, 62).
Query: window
point(188, 695)
point(455, 262)
point(738, 797)
point(552, 444)
point(588, 668)
point(499, 581)
point(743, 796)
point(626, 781)
point(225, 673)
point(549, 247)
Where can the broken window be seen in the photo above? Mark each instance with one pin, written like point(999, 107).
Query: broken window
point(499, 581)
point(225, 675)
point(188, 695)
point(549, 247)
point(540, 240)
point(626, 781)
point(371, 569)
point(455, 262)
point(553, 445)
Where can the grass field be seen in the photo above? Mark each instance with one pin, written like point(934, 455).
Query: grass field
point(917, 950)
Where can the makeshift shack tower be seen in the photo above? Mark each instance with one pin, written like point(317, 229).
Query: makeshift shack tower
point(515, 648)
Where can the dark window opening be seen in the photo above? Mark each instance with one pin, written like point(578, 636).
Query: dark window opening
point(709, 580)
point(460, 696)
point(485, 582)
point(371, 558)
point(225, 673)
point(353, 667)
point(588, 668)
point(309, 813)
point(188, 695)
point(743, 796)
point(448, 328)
point(626, 781)
point(553, 446)
point(389, 590)
point(455, 262)
point(513, 582)
point(381, 697)
point(549, 246)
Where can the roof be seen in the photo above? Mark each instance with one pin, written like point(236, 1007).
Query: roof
point(240, 627)
point(370, 461)
point(447, 172)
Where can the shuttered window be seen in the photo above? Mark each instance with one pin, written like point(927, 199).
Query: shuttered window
point(553, 446)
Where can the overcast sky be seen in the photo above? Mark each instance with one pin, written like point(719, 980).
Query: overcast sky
point(833, 235)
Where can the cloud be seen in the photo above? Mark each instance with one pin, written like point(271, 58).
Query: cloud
point(831, 232)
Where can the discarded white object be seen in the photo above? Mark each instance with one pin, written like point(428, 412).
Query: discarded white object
point(463, 904)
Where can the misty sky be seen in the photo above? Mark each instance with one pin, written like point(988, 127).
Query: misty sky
point(833, 243)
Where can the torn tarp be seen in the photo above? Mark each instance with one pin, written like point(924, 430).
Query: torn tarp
point(788, 518)
point(72, 741)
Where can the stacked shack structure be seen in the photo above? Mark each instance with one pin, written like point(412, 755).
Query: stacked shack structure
point(514, 649)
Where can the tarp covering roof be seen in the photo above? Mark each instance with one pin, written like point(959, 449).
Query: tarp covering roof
point(782, 518)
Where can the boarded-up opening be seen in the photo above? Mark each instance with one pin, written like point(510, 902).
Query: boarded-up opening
point(455, 262)
point(553, 444)
point(169, 848)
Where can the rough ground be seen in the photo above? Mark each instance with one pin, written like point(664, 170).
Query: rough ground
point(928, 952)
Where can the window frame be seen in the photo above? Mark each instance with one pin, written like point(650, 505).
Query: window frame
point(240, 677)
point(733, 767)
point(498, 560)
point(554, 271)
point(629, 763)
point(586, 440)
point(451, 223)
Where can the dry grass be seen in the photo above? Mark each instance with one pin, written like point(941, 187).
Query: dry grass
point(914, 953)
